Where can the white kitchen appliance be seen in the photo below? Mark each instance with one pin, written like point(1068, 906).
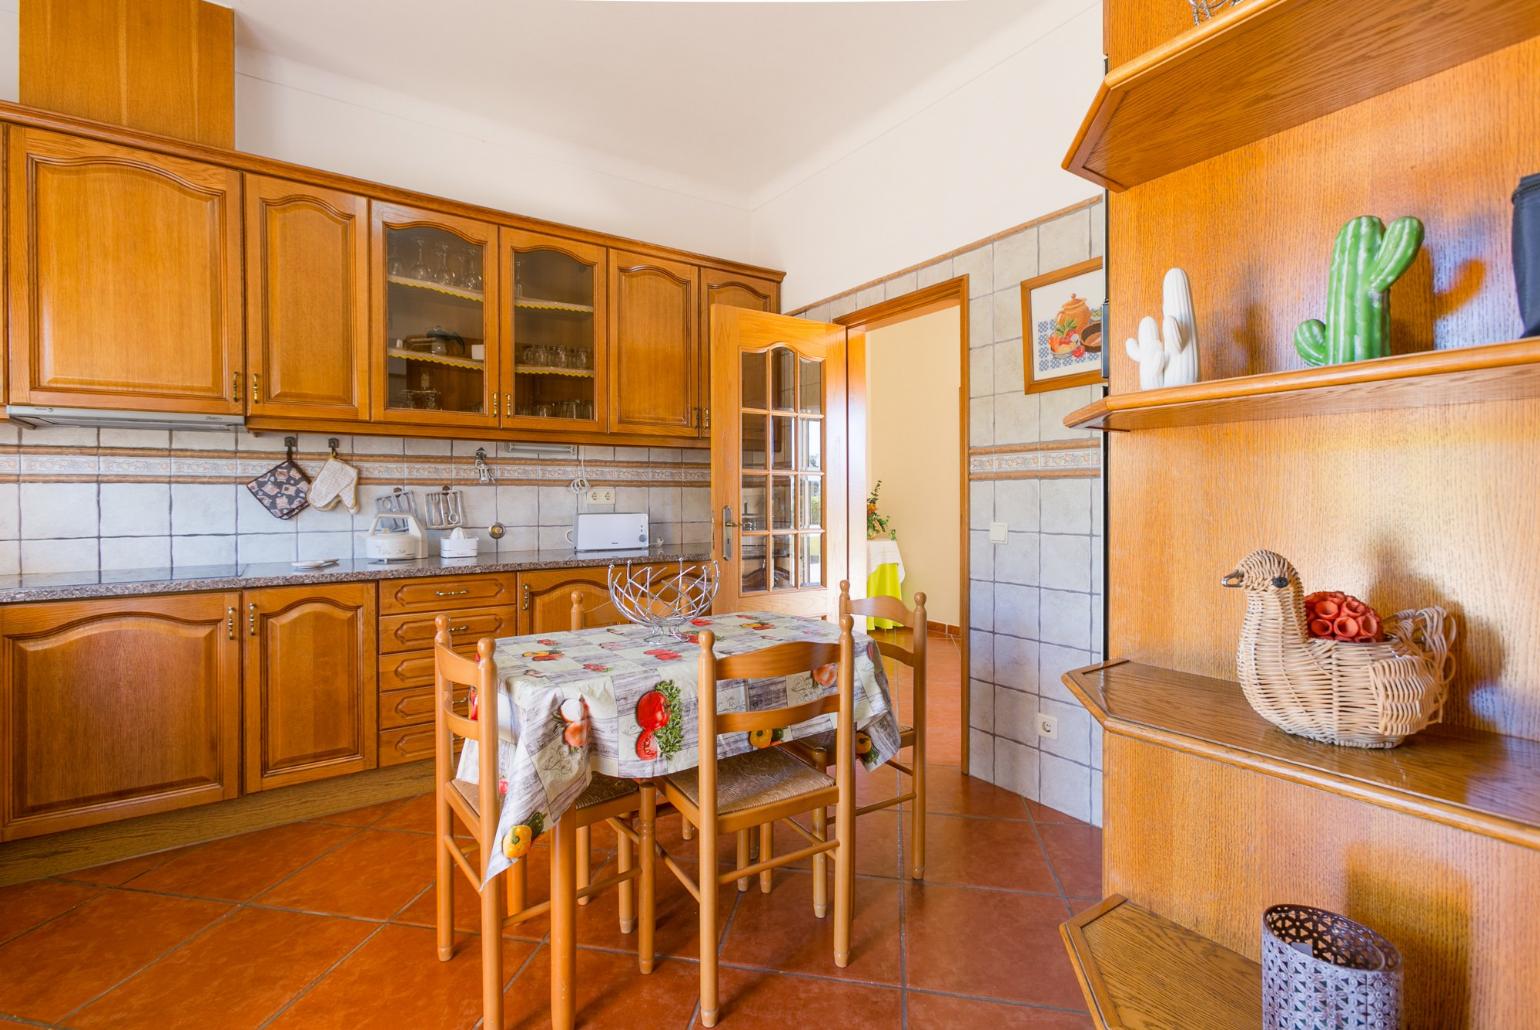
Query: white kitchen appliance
point(384, 544)
point(609, 531)
point(458, 544)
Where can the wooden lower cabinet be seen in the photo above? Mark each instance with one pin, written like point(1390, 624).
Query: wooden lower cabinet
point(309, 683)
point(117, 708)
point(545, 600)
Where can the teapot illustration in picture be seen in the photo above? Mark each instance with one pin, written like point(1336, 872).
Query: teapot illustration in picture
point(1075, 328)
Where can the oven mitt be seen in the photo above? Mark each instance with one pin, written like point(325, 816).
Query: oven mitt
point(337, 481)
point(282, 490)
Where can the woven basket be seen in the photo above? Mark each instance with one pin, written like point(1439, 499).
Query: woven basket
point(1358, 694)
point(1322, 971)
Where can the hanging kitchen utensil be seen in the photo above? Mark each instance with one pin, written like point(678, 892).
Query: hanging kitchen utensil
point(445, 509)
point(283, 489)
point(337, 481)
point(397, 502)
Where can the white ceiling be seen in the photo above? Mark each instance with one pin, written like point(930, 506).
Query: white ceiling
point(736, 101)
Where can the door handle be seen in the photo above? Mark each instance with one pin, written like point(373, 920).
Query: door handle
point(251, 618)
point(727, 532)
point(230, 623)
point(524, 602)
point(256, 386)
point(235, 387)
point(451, 593)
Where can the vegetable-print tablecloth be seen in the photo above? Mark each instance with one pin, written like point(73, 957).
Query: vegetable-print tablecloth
point(610, 701)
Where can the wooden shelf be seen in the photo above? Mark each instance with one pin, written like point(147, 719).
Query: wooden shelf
point(434, 359)
point(1139, 970)
point(1502, 371)
point(1269, 65)
point(1486, 783)
point(567, 307)
point(547, 370)
point(423, 284)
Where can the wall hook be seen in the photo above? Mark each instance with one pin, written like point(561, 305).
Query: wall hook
point(289, 443)
point(332, 443)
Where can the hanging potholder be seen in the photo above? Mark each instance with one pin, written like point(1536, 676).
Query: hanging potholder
point(282, 490)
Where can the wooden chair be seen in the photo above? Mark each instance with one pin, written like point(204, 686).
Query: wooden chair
point(725, 796)
point(819, 749)
point(477, 806)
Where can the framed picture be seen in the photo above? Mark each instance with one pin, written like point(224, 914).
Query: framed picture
point(1061, 321)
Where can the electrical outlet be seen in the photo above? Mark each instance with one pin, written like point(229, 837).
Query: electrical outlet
point(1047, 726)
point(997, 531)
point(601, 495)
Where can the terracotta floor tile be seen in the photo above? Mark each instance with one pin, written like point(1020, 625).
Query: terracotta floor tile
point(1044, 814)
point(937, 1012)
point(467, 906)
point(677, 927)
point(949, 792)
point(370, 876)
point(396, 980)
point(779, 931)
point(751, 998)
point(1075, 851)
point(988, 944)
point(611, 993)
point(50, 971)
point(366, 816)
point(984, 853)
point(238, 868)
point(27, 904)
point(116, 874)
point(877, 843)
point(212, 980)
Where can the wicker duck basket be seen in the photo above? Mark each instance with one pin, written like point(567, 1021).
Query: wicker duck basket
point(1372, 694)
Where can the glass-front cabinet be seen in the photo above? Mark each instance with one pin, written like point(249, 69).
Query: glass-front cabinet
point(554, 327)
point(436, 353)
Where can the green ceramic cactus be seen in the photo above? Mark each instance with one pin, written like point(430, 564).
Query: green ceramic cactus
point(1366, 260)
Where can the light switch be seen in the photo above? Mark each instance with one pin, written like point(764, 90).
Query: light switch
point(997, 531)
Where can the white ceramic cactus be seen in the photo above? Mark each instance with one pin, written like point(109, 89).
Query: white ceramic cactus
point(1167, 352)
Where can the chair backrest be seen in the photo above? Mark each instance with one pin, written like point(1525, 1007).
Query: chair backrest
point(893, 610)
point(450, 670)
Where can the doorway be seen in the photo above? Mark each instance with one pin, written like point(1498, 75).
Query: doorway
point(908, 379)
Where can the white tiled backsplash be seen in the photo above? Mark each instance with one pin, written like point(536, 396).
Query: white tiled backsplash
point(76, 499)
point(1035, 601)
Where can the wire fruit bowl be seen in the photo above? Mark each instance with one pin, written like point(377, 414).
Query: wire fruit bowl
point(663, 599)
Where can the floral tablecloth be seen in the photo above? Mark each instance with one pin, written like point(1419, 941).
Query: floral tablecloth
point(608, 700)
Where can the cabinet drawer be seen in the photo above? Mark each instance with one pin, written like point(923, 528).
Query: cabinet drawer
point(415, 632)
point(440, 593)
point(407, 669)
point(412, 707)
point(406, 744)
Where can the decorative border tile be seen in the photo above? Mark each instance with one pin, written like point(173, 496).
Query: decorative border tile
point(1055, 459)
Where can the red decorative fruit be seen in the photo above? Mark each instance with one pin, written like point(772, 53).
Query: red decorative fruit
point(646, 746)
point(652, 711)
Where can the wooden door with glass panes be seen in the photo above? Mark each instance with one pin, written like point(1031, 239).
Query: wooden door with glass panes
point(779, 471)
point(433, 321)
point(554, 326)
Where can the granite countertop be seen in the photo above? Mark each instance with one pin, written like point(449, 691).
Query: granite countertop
point(65, 586)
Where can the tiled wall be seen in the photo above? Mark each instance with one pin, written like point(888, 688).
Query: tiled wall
point(81, 499)
point(1036, 600)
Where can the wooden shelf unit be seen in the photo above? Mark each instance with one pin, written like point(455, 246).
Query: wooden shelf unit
point(1270, 65)
point(1481, 782)
point(430, 358)
point(1502, 371)
point(457, 292)
point(1139, 970)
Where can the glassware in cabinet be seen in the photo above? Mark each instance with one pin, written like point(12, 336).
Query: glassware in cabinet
point(553, 320)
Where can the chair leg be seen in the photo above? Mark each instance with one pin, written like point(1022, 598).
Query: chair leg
point(844, 882)
point(584, 860)
point(647, 892)
point(917, 817)
point(821, 864)
point(492, 954)
point(743, 859)
point(563, 925)
point(627, 888)
point(686, 828)
point(444, 885)
point(707, 879)
point(766, 853)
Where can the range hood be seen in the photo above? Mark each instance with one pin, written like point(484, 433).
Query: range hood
point(38, 417)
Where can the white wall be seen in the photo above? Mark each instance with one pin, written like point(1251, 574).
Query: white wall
point(979, 160)
point(913, 376)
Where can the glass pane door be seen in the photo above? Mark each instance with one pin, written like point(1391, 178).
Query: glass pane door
point(555, 318)
point(434, 306)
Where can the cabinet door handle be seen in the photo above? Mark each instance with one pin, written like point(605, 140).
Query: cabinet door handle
point(251, 618)
point(451, 593)
point(230, 623)
point(256, 386)
point(235, 386)
point(494, 403)
point(524, 593)
point(460, 629)
point(727, 532)
point(507, 405)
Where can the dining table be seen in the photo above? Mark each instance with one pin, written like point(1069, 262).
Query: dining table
point(620, 700)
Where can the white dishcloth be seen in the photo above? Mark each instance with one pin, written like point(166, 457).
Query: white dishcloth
point(337, 481)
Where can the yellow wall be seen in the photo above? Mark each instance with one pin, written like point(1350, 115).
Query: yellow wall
point(913, 376)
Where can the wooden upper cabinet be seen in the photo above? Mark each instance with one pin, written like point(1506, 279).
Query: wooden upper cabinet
point(435, 354)
point(654, 347)
point(555, 330)
point(309, 682)
point(307, 298)
point(124, 277)
point(117, 708)
point(734, 291)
